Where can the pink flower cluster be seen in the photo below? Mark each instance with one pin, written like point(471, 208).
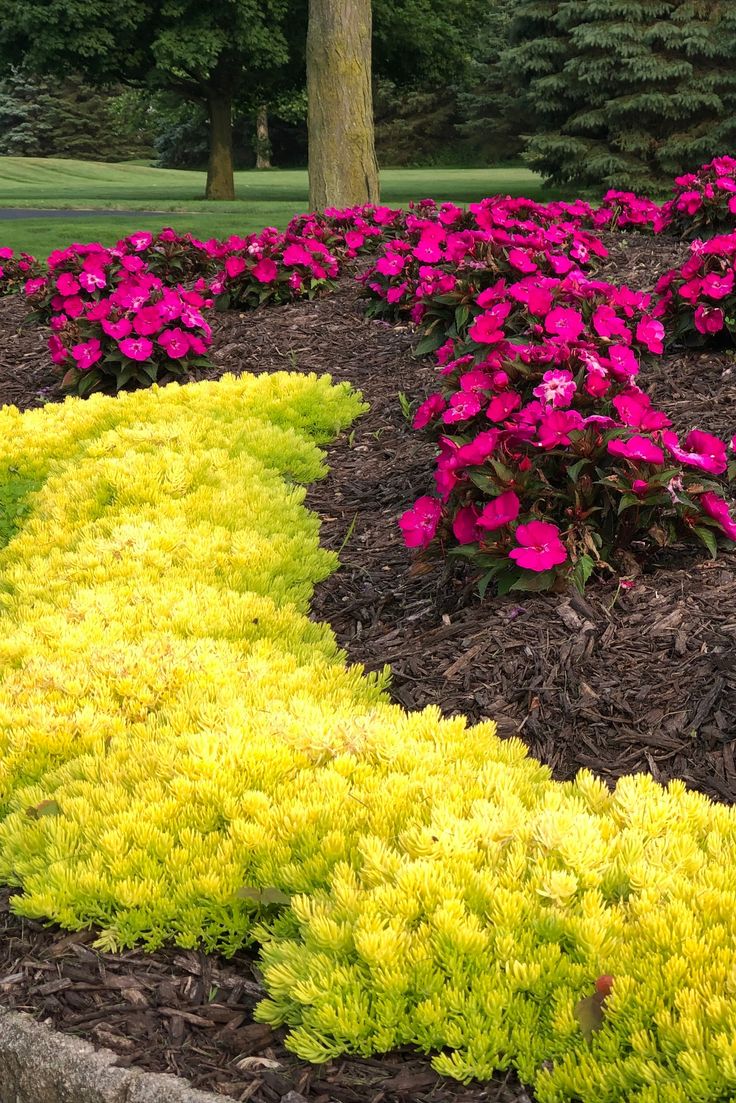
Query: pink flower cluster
point(621, 210)
point(16, 269)
point(551, 457)
point(704, 202)
point(114, 323)
point(272, 267)
point(697, 302)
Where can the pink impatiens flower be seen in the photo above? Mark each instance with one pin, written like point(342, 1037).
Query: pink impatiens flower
point(235, 266)
point(428, 411)
point(419, 523)
point(557, 388)
point(136, 348)
point(555, 426)
point(541, 547)
point(701, 450)
point(87, 354)
point(636, 448)
point(465, 526)
point(463, 405)
point(650, 333)
point(564, 322)
point(717, 508)
point(708, 319)
point(265, 271)
point(176, 342)
point(499, 512)
point(503, 404)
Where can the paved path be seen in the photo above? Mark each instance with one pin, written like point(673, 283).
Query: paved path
point(52, 212)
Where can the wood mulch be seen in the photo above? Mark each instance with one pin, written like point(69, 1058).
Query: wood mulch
point(620, 681)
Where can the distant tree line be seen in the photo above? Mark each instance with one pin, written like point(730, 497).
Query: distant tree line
point(620, 93)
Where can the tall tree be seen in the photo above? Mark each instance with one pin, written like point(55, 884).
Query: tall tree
point(626, 92)
point(342, 159)
point(494, 118)
point(210, 53)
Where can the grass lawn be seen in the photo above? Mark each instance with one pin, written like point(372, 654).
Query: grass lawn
point(264, 198)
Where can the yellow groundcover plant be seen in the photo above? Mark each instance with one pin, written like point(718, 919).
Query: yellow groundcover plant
point(183, 753)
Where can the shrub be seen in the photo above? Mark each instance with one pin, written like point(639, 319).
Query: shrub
point(697, 302)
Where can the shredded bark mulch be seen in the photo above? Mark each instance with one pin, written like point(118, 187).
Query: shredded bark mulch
point(620, 681)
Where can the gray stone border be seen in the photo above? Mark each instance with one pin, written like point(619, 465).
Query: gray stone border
point(40, 1065)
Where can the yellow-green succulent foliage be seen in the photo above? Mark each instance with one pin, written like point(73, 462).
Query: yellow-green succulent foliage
point(182, 749)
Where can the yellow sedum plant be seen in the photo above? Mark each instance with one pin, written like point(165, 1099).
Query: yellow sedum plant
point(182, 751)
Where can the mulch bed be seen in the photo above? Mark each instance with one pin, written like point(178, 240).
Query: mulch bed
point(620, 681)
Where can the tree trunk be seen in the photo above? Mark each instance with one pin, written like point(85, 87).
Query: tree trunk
point(342, 159)
point(263, 140)
point(220, 179)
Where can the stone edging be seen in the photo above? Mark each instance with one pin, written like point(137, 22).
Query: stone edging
point(39, 1065)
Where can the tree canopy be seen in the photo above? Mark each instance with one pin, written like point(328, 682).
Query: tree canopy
point(626, 92)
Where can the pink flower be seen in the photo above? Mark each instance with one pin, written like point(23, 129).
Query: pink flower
point(476, 381)
point(428, 411)
point(557, 388)
point(708, 319)
point(636, 448)
point(147, 321)
point(478, 449)
point(463, 405)
point(296, 254)
point(634, 409)
point(117, 330)
point(67, 284)
point(93, 280)
point(464, 525)
point(139, 348)
point(650, 333)
point(623, 362)
point(702, 450)
point(501, 405)
point(140, 240)
point(265, 271)
point(234, 266)
point(486, 329)
point(717, 508)
point(565, 323)
point(522, 261)
point(87, 354)
point(59, 354)
point(717, 286)
point(555, 427)
point(541, 547)
point(499, 511)
point(419, 523)
point(176, 342)
point(391, 264)
point(73, 306)
point(607, 324)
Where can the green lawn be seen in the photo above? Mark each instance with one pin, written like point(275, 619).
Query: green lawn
point(264, 198)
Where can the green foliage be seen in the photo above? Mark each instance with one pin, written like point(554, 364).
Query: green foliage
point(46, 117)
point(626, 93)
point(493, 115)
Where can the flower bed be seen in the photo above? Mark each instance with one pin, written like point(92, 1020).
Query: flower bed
point(443, 891)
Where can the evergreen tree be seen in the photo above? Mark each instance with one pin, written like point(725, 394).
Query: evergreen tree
point(626, 93)
point(493, 113)
point(44, 117)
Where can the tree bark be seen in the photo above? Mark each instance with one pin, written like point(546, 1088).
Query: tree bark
point(342, 158)
point(263, 139)
point(220, 179)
